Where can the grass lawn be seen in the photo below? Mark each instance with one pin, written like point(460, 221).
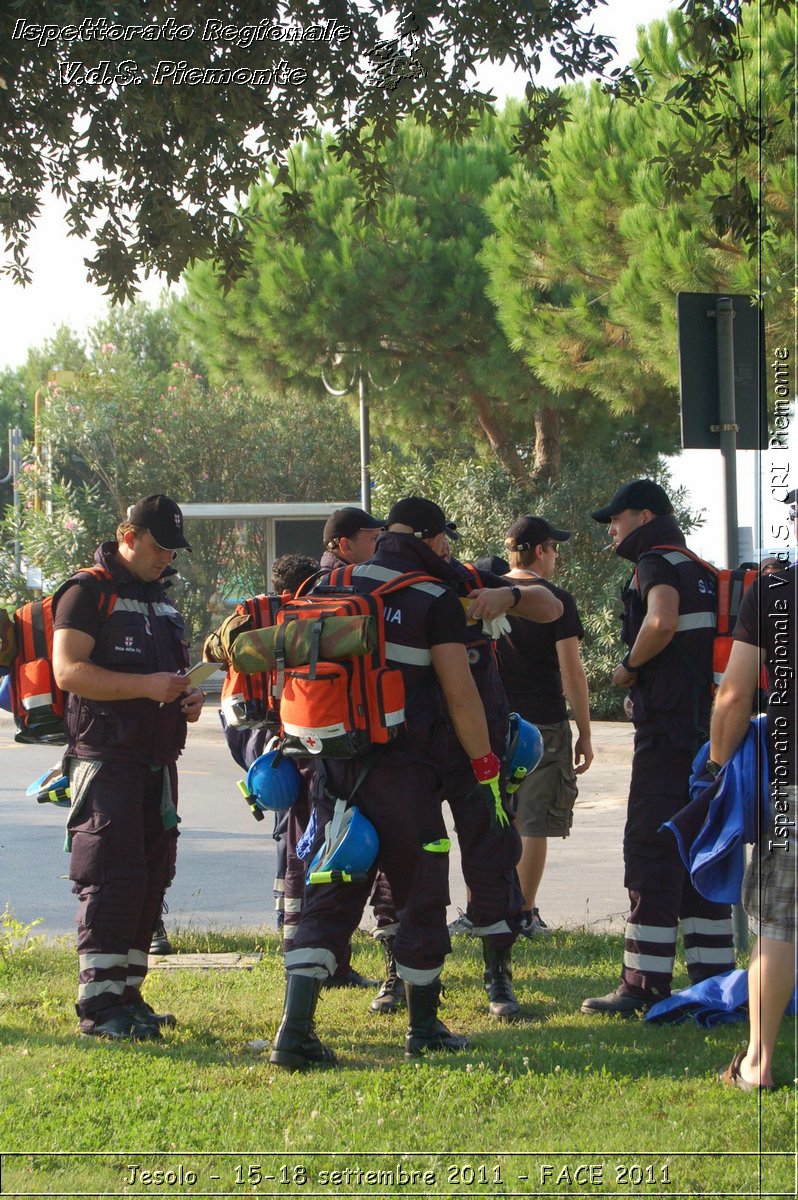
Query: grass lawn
point(558, 1103)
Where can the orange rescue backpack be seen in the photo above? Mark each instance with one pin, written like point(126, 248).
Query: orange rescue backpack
point(731, 584)
point(37, 701)
point(246, 700)
point(341, 708)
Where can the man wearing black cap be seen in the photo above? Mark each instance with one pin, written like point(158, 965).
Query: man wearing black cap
point(489, 849)
point(668, 628)
point(349, 536)
point(119, 647)
point(400, 793)
point(541, 668)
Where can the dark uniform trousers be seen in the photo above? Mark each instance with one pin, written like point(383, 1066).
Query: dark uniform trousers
point(122, 860)
point(294, 885)
point(660, 892)
point(488, 856)
point(402, 799)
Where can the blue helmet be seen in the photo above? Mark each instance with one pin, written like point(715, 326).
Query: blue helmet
point(523, 750)
point(353, 851)
point(52, 788)
point(274, 782)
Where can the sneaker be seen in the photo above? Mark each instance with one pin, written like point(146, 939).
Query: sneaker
point(535, 926)
point(460, 925)
point(160, 943)
point(617, 1003)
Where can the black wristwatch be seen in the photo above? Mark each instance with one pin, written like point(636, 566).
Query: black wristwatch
point(516, 596)
point(627, 666)
point(712, 768)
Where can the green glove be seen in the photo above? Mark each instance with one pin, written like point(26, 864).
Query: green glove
point(488, 789)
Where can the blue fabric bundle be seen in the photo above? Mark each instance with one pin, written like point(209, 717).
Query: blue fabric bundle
point(725, 813)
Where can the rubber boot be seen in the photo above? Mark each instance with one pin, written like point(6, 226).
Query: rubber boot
point(498, 981)
point(296, 1045)
point(425, 1031)
point(391, 994)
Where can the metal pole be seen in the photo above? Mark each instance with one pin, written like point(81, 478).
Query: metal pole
point(727, 428)
point(14, 443)
point(365, 441)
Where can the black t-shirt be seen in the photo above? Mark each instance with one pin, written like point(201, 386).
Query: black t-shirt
point(77, 608)
point(654, 569)
point(529, 665)
point(767, 619)
point(445, 621)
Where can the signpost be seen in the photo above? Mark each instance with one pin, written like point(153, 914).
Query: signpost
point(722, 383)
point(723, 399)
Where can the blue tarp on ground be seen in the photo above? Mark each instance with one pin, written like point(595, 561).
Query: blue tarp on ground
point(717, 1001)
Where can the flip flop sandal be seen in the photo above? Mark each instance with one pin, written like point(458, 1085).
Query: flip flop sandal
point(732, 1077)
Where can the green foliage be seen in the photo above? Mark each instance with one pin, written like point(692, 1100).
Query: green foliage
point(15, 940)
point(484, 501)
point(166, 152)
point(586, 263)
point(403, 295)
point(116, 435)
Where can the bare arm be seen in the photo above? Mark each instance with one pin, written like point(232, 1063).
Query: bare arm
point(734, 701)
point(462, 698)
point(75, 672)
point(656, 632)
point(536, 604)
point(574, 685)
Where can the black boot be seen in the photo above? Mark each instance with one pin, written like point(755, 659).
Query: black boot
point(296, 1045)
point(392, 993)
point(425, 1031)
point(498, 981)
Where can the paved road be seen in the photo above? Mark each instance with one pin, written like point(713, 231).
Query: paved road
point(226, 858)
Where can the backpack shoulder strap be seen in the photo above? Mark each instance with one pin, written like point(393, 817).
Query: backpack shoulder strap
point(673, 555)
point(406, 579)
point(476, 580)
point(106, 596)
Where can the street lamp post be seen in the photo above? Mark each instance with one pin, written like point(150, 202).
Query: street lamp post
point(362, 379)
point(14, 463)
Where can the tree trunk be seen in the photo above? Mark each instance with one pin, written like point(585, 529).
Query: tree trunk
point(548, 444)
point(500, 444)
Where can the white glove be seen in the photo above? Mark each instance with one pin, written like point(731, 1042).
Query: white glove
point(496, 627)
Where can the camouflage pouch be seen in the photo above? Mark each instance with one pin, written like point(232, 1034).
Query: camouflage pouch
point(218, 644)
point(338, 638)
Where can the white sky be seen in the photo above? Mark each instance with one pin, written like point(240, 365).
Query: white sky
point(60, 295)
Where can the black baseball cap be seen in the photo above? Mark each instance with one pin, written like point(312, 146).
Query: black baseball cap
point(346, 522)
point(492, 564)
point(639, 494)
point(528, 532)
point(791, 497)
point(164, 520)
point(424, 517)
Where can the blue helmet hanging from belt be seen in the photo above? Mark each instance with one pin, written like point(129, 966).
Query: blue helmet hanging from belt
point(273, 782)
point(349, 850)
point(523, 751)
